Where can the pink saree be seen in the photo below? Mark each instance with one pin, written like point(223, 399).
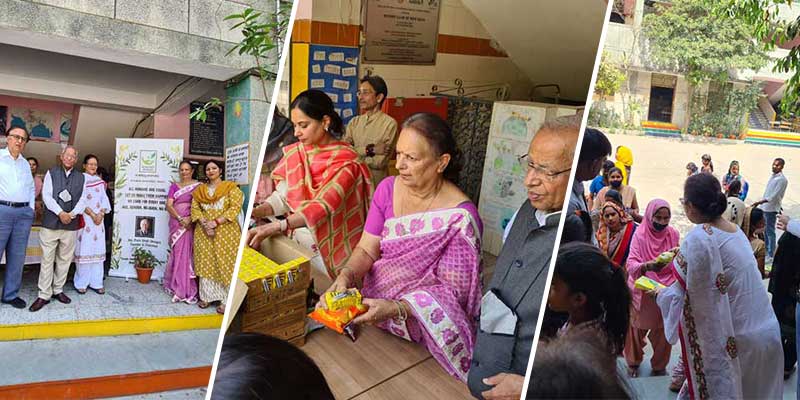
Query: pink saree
point(432, 261)
point(179, 278)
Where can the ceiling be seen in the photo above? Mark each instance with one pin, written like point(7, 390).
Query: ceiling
point(551, 41)
point(28, 72)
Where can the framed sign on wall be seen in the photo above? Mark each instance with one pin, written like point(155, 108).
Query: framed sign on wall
point(401, 32)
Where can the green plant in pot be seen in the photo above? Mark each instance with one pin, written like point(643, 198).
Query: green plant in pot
point(144, 261)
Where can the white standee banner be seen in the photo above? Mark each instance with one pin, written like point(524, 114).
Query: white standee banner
point(145, 169)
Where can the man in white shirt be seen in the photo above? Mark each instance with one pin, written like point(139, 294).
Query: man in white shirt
point(771, 203)
point(16, 212)
point(63, 198)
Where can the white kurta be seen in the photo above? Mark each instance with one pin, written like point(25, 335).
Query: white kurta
point(721, 312)
point(90, 250)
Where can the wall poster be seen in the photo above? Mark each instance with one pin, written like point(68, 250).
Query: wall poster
point(401, 32)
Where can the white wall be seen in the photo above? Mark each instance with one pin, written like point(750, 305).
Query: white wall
point(416, 81)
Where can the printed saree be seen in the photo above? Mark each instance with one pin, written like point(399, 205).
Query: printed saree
point(432, 261)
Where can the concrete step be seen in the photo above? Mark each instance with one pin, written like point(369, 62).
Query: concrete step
point(193, 394)
point(127, 308)
point(107, 366)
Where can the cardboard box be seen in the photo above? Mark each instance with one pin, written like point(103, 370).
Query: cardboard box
point(281, 311)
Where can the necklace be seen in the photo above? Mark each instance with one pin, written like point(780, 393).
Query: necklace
point(402, 203)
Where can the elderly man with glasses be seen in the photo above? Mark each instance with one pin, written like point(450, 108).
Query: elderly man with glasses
point(510, 308)
point(16, 212)
point(64, 201)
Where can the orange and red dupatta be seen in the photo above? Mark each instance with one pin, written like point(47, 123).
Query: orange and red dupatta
point(331, 189)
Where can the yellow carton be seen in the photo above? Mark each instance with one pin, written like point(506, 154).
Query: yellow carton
point(647, 284)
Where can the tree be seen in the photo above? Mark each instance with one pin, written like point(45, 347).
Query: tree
point(261, 34)
point(609, 77)
point(765, 22)
point(687, 37)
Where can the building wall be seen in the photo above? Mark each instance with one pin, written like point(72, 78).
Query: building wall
point(181, 36)
point(464, 50)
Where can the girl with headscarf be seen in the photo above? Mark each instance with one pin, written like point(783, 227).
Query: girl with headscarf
point(615, 233)
point(654, 237)
point(624, 162)
point(732, 176)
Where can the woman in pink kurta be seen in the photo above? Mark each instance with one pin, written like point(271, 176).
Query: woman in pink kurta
point(653, 237)
point(179, 278)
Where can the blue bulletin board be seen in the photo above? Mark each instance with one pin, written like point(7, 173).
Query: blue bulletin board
point(334, 70)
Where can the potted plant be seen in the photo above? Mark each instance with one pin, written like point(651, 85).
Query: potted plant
point(144, 261)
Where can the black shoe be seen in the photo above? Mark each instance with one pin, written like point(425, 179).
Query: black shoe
point(16, 302)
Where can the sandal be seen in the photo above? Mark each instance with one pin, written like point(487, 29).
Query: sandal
point(81, 291)
point(633, 372)
point(98, 291)
point(203, 304)
point(221, 309)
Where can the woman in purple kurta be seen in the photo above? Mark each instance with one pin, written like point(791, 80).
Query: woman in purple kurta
point(419, 256)
point(179, 278)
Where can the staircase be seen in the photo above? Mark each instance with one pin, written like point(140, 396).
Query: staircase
point(758, 120)
point(131, 341)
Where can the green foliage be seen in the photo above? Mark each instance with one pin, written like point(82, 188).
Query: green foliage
point(724, 115)
point(687, 37)
point(261, 34)
point(143, 258)
point(601, 115)
point(763, 19)
point(609, 78)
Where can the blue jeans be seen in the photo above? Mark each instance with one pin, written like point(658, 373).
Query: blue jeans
point(769, 233)
point(15, 227)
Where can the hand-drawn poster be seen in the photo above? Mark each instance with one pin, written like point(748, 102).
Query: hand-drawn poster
point(503, 190)
point(40, 124)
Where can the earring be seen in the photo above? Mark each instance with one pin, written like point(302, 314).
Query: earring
point(326, 129)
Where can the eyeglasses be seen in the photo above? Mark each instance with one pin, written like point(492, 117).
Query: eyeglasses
point(526, 162)
point(18, 138)
point(70, 157)
point(364, 92)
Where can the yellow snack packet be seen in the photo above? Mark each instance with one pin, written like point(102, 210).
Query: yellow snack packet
point(344, 299)
point(647, 284)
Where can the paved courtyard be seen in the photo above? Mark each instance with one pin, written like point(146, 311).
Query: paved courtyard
point(659, 169)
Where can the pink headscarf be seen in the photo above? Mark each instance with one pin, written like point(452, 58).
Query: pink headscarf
point(647, 244)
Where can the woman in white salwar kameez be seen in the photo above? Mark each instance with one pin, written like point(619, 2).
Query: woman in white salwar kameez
point(718, 307)
point(90, 249)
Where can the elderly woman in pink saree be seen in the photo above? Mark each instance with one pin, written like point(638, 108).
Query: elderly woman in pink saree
point(179, 278)
point(419, 255)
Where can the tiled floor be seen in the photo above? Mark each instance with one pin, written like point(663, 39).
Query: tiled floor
point(123, 299)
